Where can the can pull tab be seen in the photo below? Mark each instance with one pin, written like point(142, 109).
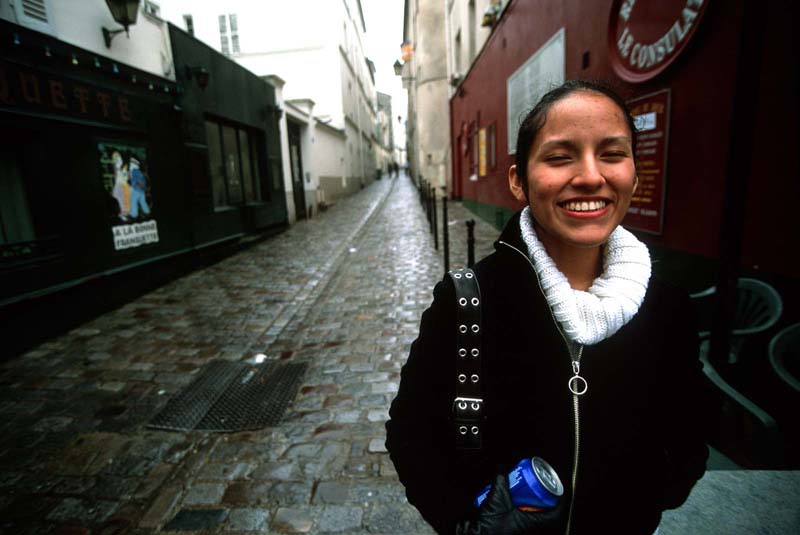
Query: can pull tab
point(577, 384)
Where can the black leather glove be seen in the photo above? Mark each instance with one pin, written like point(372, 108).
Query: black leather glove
point(499, 516)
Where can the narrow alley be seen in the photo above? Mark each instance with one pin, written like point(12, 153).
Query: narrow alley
point(342, 293)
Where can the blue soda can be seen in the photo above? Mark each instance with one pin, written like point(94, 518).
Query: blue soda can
point(534, 485)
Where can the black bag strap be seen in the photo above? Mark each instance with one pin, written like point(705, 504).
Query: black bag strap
point(468, 415)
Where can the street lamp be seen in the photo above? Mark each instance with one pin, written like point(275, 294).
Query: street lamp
point(125, 13)
point(398, 68)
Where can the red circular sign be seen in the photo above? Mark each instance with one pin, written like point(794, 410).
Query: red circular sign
point(645, 36)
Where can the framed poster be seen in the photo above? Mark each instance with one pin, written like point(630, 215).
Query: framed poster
point(651, 115)
point(126, 180)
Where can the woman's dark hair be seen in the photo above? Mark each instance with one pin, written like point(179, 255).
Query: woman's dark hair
point(534, 121)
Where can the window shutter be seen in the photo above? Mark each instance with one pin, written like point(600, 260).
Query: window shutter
point(34, 14)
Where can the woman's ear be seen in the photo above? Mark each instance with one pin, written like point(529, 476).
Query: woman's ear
point(515, 184)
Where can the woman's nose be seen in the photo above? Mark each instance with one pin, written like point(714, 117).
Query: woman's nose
point(589, 175)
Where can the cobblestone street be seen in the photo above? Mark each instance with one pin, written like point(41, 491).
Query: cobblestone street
point(342, 292)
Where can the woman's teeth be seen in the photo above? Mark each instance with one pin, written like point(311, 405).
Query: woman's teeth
point(584, 206)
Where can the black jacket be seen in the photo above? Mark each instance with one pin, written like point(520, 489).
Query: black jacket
point(641, 440)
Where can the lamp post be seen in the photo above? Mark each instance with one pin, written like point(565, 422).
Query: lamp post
point(124, 12)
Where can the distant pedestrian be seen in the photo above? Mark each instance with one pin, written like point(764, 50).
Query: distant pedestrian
point(584, 359)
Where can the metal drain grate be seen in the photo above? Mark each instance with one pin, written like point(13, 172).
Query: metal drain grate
point(233, 396)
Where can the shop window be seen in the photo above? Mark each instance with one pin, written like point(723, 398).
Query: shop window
point(250, 168)
point(215, 161)
point(473, 141)
point(492, 142)
point(236, 160)
point(16, 224)
point(230, 151)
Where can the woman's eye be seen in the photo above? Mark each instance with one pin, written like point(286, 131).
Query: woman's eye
point(557, 158)
point(615, 154)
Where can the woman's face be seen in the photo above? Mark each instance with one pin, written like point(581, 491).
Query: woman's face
point(581, 173)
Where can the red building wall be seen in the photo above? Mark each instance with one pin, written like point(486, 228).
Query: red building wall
point(702, 85)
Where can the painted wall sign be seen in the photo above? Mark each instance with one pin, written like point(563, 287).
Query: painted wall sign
point(26, 89)
point(645, 36)
point(651, 113)
point(124, 172)
point(482, 152)
point(544, 70)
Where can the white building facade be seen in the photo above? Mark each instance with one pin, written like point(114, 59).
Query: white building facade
point(80, 23)
point(468, 25)
point(444, 37)
point(317, 47)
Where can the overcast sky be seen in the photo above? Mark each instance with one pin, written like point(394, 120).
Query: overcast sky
point(384, 21)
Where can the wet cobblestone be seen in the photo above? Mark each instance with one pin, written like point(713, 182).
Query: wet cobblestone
point(342, 292)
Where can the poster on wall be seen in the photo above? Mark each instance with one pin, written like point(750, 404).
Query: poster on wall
point(651, 114)
point(124, 172)
point(543, 71)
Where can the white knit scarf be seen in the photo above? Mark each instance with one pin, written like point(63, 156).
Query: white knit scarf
point(614, 297)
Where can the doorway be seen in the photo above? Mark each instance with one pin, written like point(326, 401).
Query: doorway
point(296, 160)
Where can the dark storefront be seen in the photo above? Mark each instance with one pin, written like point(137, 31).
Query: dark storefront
point(231, 143)
point(109, 184)
point(714, 87)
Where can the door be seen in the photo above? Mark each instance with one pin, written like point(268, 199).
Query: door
point(296, 160)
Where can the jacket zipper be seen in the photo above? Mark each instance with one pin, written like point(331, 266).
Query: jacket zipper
point(577, 388)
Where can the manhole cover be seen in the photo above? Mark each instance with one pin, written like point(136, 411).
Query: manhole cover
point(233, 396)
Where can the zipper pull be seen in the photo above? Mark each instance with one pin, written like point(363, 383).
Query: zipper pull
point(577, 384)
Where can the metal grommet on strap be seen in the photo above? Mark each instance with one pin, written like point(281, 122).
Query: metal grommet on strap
point(468, 406)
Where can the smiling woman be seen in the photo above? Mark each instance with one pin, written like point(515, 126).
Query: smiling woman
point(578, 177)
point(579, 352)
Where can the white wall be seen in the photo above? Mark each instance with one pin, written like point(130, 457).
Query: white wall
point(458, 21)
point(330, 164)
point(79, 23)
point(428, 94)
point(291, 214)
